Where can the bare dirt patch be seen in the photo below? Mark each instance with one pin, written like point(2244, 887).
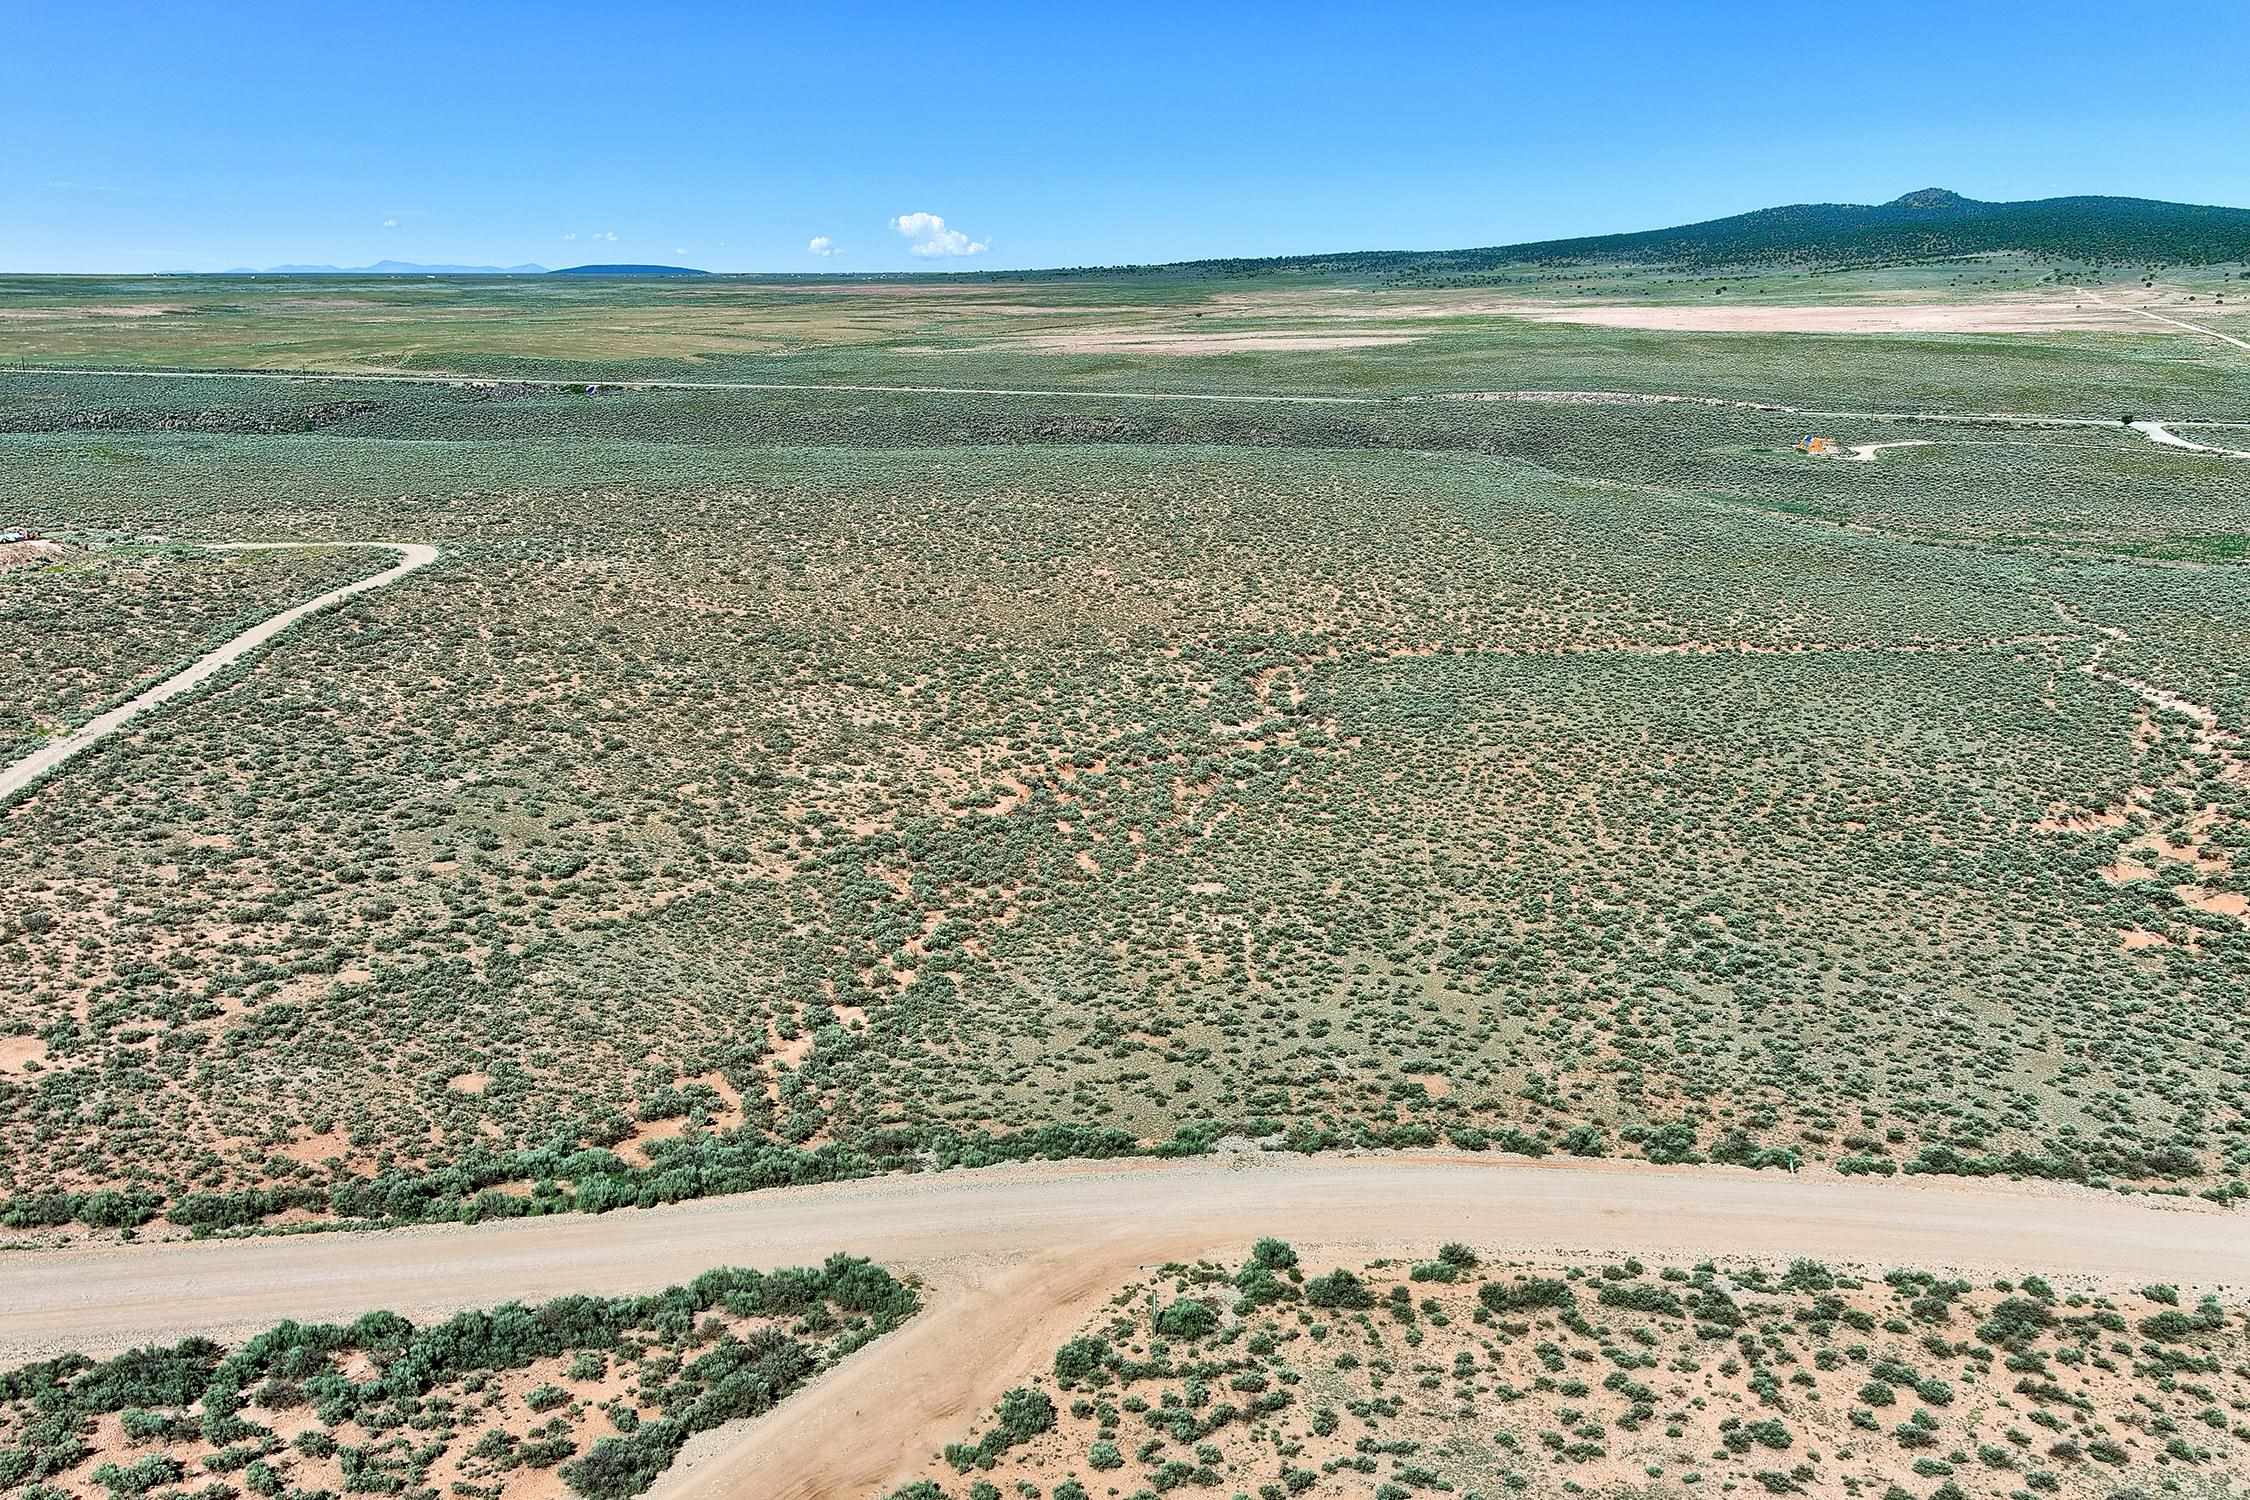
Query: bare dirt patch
point(22, 1054)
point(30, 554)
point(315, 1149)
point(1262, 341)
point(125, 310)
point(2042, 315)
point(2217, 903)
point(635, 1147)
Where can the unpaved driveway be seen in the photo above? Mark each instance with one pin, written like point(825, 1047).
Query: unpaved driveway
point(1014, 1257)
point(23, 773)
point(1864, 453)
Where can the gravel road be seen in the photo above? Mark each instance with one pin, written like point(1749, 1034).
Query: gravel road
point(1015, 1257)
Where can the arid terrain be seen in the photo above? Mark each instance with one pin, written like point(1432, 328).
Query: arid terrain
point(1450, 1374)
point(1042, 783)
point(583, 1395)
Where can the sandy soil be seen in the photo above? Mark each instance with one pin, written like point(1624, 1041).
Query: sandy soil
point(17, 1053)
point(2217, 903)
point(1011, 1256)
point(2026, 315)
point(30, 554)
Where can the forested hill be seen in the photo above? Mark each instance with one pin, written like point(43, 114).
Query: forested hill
point(1932, 222)
point(1929, 224)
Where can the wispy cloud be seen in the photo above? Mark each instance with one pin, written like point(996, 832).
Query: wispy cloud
point(821, 244)
point(931, 237)
point(391, 222)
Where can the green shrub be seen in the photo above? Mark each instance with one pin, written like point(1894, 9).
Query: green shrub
point(1338, 1289)
point(1527, 1295)
point(1187, 1319)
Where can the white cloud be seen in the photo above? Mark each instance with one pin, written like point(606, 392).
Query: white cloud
point(391, 223)
point(573, 234)
point(611, 235)
point(931, 237)
point(821, 244)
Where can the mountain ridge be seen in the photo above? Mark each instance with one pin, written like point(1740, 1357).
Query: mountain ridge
point(1928, 223)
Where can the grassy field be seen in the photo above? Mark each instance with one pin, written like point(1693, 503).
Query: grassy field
point(1170, 331)
point(778, 785)
point(1448, 1376)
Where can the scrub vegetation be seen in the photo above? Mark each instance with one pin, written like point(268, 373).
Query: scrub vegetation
point(584, 1396)
point(775, 786)
point(85, 627)
point(1482, 1381)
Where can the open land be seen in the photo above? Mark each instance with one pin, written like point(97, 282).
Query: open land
point(1442, 1373)
point(859, 728)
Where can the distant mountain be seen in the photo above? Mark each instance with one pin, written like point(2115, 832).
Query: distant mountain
point(412, 268)
point(1932, 223)
point(389, 268)
point(628, 271)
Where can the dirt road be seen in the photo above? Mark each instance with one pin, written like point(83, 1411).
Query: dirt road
point(1016, 1256)
point(23, 773)
point(2224, 338)
point(2157, 432)
point(456, 378)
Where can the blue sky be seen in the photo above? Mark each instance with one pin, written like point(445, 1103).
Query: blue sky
point(191, 135)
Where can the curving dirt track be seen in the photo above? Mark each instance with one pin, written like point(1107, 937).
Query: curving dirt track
point(1015, 1257)
point(2162, 434)
point(31, 768)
